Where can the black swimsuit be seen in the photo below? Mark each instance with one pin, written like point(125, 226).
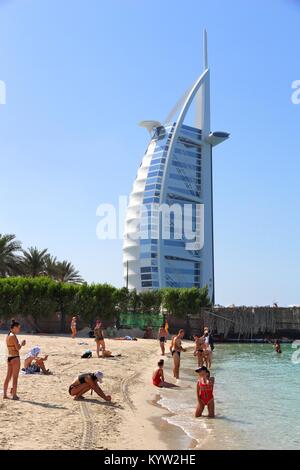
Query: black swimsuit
point(12, 357)
point(81, 379)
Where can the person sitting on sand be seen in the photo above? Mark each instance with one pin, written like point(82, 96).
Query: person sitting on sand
point(205, 396)
point(277, 346)
point(33, 363)
point(74, 327)
point(162, 336)
point(158, 378)
point(85, 382)
point(176, 351)
point(199, 351)
point(99, 338)
point(13, 360)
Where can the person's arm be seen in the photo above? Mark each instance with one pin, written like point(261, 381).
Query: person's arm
point(94, 386)
point(17, 344)
point(212, 382)
point(162, 376)
point(198, 392)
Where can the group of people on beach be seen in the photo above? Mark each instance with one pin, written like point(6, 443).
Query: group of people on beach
point(204, 346)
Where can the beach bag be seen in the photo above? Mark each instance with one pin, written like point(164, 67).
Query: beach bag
point(87, 354)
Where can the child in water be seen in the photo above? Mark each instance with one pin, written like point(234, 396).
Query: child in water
point(205, 396)
point(158, 378)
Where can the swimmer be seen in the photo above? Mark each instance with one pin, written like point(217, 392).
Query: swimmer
point(176, 351)
point(13, 360)
point(158, 378)
point(162, 336)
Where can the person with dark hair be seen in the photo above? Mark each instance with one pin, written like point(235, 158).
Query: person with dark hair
point(158, 378)
point(13, 360)
point(205, 395)
point(176, 351)
point(277, 346)
point(162, 336)
point(199, 349)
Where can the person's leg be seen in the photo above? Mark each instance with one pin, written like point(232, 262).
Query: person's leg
point(199, 409)
point(176, 365)
point(41, 364)
point(162, 347)
point(15, 375)
point(211, 409)
point(80, 390)
point(102, 346)
point(98, 348)
point(7, 379)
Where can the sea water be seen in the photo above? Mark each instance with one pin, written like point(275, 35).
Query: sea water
point(257, 399)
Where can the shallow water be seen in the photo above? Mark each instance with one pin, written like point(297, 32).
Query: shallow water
point(257, 397)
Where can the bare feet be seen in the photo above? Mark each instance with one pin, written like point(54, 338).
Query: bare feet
point(79, 398)
point(5, 397)
point(15, 397)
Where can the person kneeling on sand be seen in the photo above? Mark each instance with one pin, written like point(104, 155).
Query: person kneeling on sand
point(86, 382)
point(205, 395)
point(33, 363)
point(158, 378)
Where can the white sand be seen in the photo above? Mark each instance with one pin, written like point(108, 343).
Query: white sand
point(46, 417)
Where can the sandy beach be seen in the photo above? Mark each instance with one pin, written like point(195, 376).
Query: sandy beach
point(46, 417)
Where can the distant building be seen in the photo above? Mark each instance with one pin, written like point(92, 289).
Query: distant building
point(176, 170)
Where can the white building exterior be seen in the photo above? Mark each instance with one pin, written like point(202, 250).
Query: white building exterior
point(176, 169)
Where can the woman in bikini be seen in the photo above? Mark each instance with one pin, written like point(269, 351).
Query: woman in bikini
point(13, 360)
point(74, 327)
point(199, 351)
point(205, 395)
point(176, 351)
point(86, 382)
point(99, 338)
point(162, 336)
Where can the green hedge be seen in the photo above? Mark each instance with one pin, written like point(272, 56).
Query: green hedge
point(41, 297)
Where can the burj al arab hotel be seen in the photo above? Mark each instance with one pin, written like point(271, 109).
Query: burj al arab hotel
point(176, 172)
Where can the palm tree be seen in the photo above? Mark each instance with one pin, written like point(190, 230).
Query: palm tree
point(9, 259)
point(51, 266)
point(33, 262)
point(65, 272)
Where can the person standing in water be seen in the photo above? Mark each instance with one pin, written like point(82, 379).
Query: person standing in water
point(199, 351)
point(205, 395)
point(99, 338)
point(13, 360)
point(277, 346)
point(176, 351)
point(163, 336)
point(74, 327)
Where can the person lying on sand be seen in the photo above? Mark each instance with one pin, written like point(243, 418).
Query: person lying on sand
point(33, 363)
point(205, 396)
point(125, 338)
point(158, 378)
point(86, 382)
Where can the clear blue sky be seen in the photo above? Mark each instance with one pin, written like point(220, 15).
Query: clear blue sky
point(80, 75)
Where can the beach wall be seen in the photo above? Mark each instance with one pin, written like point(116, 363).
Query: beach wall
point(242, 322)
point(226, 323)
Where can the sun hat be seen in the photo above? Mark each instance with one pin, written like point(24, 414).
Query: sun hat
point(99, 376)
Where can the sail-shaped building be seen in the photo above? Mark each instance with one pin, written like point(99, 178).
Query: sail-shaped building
point(175, 173)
